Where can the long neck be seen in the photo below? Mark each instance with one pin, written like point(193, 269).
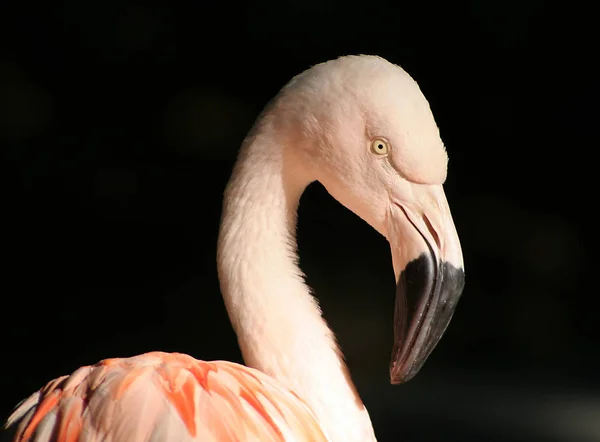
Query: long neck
point(278, 322)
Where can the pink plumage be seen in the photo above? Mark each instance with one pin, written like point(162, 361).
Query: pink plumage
point(164, 396)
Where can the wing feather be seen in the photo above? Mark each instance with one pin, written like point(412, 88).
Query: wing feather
point(156, 397)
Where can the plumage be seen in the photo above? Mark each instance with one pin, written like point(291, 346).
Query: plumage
point(164, 396)
point(360, 126)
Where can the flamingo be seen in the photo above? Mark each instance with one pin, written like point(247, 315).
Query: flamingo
point(360, 126)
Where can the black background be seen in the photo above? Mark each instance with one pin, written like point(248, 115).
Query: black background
point(120, 122)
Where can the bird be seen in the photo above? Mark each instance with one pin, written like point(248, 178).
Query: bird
point(361, 126)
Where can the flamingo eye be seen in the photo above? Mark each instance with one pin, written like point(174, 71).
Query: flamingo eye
point(379, 146)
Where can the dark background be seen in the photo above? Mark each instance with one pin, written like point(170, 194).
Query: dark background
point(120, 122)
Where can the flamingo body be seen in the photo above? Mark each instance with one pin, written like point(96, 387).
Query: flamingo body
point(164, 396)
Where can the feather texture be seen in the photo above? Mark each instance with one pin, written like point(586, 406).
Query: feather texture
point(164, 396)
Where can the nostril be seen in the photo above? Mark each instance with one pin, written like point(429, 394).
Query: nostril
point(433, 233)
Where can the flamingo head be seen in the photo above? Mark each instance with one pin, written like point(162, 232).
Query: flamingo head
point(368, 135)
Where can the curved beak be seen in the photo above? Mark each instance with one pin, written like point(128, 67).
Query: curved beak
point(430, 276)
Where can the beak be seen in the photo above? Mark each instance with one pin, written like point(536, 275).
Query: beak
point(430, 276)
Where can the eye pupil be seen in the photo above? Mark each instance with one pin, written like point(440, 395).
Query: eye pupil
point(379, 147)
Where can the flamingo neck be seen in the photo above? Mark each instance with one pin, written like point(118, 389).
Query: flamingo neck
point(278, 322)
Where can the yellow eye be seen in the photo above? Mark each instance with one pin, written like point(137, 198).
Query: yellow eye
point(380, 146)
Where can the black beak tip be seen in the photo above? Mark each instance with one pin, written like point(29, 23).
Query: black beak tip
point(398, 377)
point(402, 372)
point(426, 299)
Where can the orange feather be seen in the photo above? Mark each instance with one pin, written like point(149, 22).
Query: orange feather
point(188, 399)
